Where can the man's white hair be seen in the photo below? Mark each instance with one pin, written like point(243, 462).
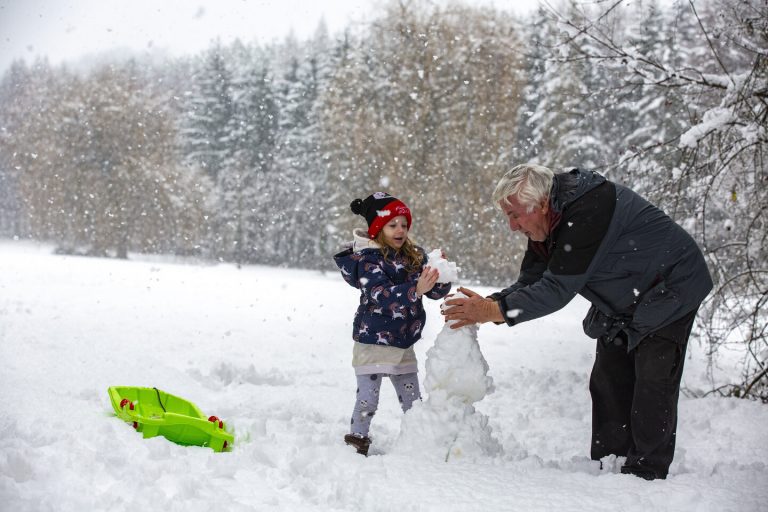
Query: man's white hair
point(530, 184)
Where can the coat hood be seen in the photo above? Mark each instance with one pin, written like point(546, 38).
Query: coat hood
point(569, 186)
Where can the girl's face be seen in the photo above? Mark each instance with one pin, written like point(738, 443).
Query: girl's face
point(396, 231)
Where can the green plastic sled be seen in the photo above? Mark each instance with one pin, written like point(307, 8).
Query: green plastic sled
point(153, 412)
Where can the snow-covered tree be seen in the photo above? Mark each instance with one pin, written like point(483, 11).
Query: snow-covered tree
point(97, 167)
point(15, 90)
point(300, 167)
point(209, 113)
point(424, 108)
point(538, 31)
point(252, 135)
point(576, 114)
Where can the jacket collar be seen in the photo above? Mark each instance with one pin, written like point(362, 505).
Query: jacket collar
point(362, 241)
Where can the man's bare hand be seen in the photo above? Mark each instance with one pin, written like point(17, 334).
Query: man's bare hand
point(474, 309)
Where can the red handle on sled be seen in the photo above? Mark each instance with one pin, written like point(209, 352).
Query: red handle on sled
point(214, 419)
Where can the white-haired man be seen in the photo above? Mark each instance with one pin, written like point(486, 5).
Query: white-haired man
point(645, 277)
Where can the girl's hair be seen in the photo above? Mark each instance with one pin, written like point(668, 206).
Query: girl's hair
point(410, 253)
point(529, 183)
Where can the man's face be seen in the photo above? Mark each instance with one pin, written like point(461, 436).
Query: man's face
point(533, 224)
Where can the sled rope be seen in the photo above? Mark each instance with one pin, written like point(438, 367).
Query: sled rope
point(158, 399)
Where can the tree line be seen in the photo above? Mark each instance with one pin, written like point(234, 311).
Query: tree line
point(251, 153)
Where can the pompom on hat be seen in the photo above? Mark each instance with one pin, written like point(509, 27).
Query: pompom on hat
point(378, 209)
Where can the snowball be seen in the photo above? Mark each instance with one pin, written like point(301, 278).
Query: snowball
point(449, 272)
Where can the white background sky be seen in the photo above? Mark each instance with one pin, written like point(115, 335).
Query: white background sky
point(70, 29)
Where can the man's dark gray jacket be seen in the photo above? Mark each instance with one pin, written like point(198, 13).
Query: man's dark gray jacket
point(638, 268)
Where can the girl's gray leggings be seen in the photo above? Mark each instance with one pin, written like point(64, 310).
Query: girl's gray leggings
point(406, 387)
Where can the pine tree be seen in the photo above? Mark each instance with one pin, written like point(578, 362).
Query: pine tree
point(209, 113)
point(539, 35)
point(15, 88)
point(575, 107)
point(253, 130)
point(208, 141)
point(301, 162)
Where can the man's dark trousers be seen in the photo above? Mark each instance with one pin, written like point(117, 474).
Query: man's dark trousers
point(634, 398)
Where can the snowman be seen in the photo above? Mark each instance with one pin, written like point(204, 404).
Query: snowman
point(446, 423)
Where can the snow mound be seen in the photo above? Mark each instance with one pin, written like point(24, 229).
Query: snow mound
point(446, 424)
point(456, 367)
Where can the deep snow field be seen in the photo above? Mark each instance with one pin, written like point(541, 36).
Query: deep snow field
point(268, 350)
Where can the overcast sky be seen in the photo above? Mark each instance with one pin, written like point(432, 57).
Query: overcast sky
point(70, 29)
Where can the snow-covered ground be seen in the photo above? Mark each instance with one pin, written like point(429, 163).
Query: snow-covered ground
point(268, 350)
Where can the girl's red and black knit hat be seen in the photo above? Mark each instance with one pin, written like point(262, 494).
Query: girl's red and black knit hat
point(378, 209)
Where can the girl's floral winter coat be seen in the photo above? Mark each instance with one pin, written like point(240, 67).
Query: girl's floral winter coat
point(390, 313)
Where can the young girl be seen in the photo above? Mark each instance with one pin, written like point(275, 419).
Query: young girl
point(392, 276)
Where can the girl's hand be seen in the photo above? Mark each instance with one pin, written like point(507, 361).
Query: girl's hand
point(427, 280)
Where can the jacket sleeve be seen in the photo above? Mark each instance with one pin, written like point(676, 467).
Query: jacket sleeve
point(531, 270)
point(347, 264)
point(576, 244)
point(379, 289)
point(546, 296)
point(439, 291)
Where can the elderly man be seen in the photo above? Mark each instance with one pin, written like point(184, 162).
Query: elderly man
point(643, 274)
